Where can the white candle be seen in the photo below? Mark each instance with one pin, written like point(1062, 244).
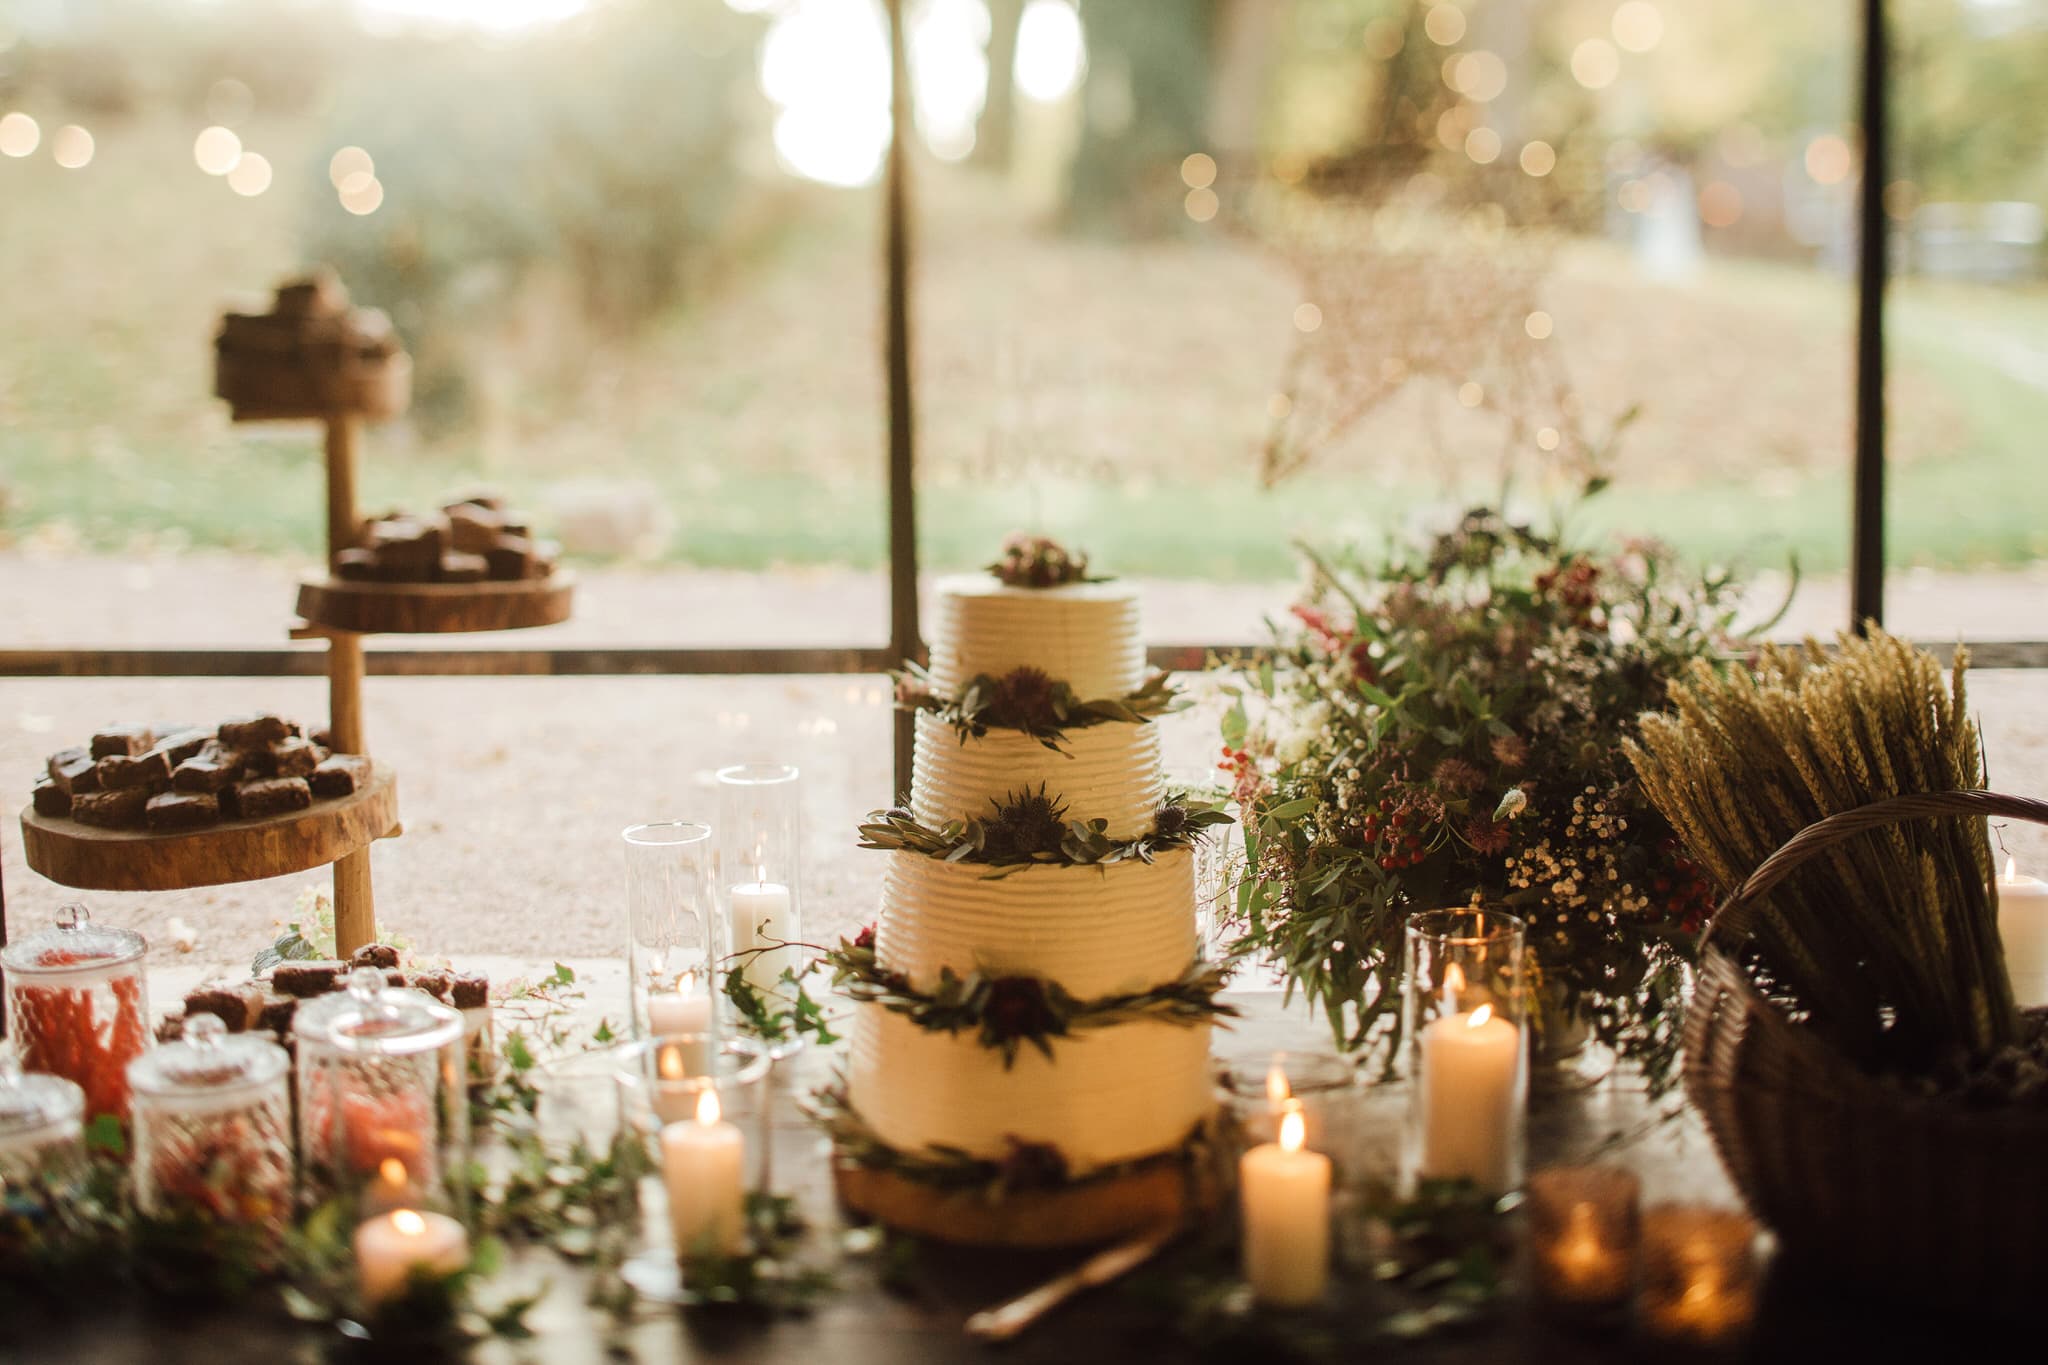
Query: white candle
point(390, 1246)
point(675, 1093)
point(703, 1163)
point(1469, 1098)
point(2023, 926)
point(1284, 1193)
point(682, 1010)
point(760, 918)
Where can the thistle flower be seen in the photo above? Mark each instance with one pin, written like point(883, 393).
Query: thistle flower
point(1026, 825)
point(1457, 777)
point(1510, 751)
point(1487, 837)
point(1017, 1007)
point(1023, 699)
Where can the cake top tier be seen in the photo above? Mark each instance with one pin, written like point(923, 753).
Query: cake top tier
point(1085, 634)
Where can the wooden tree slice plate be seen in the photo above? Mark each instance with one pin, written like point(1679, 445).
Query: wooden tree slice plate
point(1154, 1195)
point(436, 608)
point(94, 859)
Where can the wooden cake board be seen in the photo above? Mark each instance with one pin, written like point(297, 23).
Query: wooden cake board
point(1158, 1194)
point(337, 604)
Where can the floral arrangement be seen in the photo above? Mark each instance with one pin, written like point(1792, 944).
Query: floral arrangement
point(1444, 727)
point(1028, 699)
point(1005, 1012)
point(1041, 562)
point(1032, 827)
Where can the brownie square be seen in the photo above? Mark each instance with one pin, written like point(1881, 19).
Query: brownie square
point(51, 800)
point(151, 771)
point(182, 810)
point(436, 984)
point(382, 956)
point(272, 796)
point(179, 745)
point(205, 775)
point(253, 732)
point(315, 976)
point(239, 1007)
point(470, 990)
point(278, 1013)
point(339, 775)
point(111, 810)
point(356, 564)
point(457, 567)
point(473, 529)
point(125, 739)
point(75, 770)
point(294, 757)
point(510, 559)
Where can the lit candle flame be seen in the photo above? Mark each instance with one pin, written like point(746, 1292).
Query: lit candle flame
point(707, 1107)
point(1479, 1017)
point(1454, 979)
point(1277, 1088)
point(669, 1061)
point(392, 1171)
point(408, 1224)
point(1293, 1131)
point(2012, 868)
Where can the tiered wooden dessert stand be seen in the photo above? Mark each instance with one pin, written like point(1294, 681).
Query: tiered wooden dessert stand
point(335, 381)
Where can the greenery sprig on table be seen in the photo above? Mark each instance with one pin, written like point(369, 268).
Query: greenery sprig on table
point(1032, 828)
point(1006, 1012)
point(1444, 726)
point(1031, 701)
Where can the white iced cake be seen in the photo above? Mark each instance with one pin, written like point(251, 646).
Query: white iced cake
point(1107, 1093)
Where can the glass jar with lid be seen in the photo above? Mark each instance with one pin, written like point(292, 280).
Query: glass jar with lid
point(77, 1006)
point(42, 1138)
point(382, 1094)
point(213, 1128)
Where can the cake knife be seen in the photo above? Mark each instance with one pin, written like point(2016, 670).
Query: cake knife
point(1008, 1320)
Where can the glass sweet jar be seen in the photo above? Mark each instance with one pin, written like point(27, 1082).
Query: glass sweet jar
point(382, 1093)
point(213, 1128)
point(42, 1143)
point(77, 1006)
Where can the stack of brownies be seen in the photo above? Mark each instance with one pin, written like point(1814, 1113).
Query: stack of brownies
point(472, 541)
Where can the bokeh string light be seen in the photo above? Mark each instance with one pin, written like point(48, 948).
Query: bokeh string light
point(217, 150)
point(19, 135)
point(251, 175)
point(72, 147)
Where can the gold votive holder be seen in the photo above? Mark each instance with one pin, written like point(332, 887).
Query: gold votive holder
point(1698, 1274)
point(1584, 1224)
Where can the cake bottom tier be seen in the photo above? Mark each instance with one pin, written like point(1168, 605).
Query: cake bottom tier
point(1107, 1095)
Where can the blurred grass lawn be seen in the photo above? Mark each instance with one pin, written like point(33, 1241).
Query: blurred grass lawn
point(755, 415)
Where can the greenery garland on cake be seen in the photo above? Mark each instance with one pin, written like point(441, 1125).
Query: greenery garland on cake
point(1029, 700)
point(1026, 1167)
point(1446, 725)
point(1006, 1012)
point(1032, 829)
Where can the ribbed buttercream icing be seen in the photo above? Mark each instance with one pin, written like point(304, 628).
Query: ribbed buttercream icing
point(1107, 1095)
point(1102, 772)
point(1108, 930)
point(1086, 635)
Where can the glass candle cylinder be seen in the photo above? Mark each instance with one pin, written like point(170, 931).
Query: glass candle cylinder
point(382, 1091)
point(42, 1142)
point(760, 849)
point(1583, 1227)
point(77, 1006)
point(1258, 1086)
point(671, 907)
point(578, 1101)
point(213, 1128)
point(1464, 1013)
point(1699, 1274)
point(661, 1080)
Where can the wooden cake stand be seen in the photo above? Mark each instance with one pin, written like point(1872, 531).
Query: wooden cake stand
point(435, 608)
point(1154, 1195)
point(95, 859)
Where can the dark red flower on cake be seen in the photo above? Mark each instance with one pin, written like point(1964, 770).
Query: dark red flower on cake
point(865, 939)
point(1032, 1165)
point(1023, 700)
point(1017, 1007)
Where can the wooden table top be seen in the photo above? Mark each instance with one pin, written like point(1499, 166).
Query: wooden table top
point(862, 1323)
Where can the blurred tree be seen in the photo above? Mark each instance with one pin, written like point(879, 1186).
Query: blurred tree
point(1145, 105)
point(995, 133)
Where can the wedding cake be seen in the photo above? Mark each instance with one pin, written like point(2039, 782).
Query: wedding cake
point(1033, 982)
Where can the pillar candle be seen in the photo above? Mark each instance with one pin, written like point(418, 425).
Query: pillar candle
point(683, 1010)
point(681, 1066)
point(390, 1246)
point(2023, 927)
point(1470, 1061)
point(1284, 1193)
point(703, 1164)
point(760, 917)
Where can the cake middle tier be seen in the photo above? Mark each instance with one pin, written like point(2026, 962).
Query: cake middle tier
point(1114, 929)
point(1106, 1095)
point(1106, 772)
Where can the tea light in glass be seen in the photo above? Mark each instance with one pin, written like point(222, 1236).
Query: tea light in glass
point(1584, 1223)
point(760, 835)
point(671, 905)
point(1699, 1274)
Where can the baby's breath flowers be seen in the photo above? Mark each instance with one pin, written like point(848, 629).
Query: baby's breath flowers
point(1444, 725)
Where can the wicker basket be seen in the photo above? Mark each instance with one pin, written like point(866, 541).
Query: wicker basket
point(1921, 1198)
